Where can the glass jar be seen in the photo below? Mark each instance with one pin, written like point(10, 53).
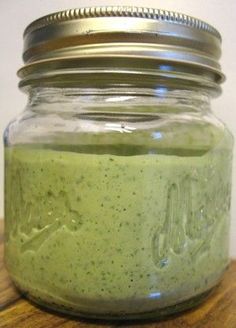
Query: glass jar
point(117, 173)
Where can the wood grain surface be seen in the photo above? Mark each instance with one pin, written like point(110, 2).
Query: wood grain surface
point(219, 311)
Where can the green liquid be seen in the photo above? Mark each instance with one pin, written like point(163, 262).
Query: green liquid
point(98, 232)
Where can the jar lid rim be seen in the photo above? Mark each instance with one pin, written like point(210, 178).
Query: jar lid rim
point(124, 31)
point(122, 11)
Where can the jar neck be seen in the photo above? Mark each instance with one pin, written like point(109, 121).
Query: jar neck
point(144, 99)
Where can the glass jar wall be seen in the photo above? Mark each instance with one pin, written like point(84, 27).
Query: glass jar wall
point(121, 203)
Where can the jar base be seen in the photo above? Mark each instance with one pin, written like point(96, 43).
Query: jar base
point(158, 313)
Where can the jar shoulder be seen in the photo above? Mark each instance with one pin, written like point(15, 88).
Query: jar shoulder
point(139, 131)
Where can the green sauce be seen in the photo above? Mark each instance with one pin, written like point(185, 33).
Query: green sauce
point(136, 232)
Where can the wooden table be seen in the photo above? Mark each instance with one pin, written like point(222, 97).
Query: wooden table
point(219, 311)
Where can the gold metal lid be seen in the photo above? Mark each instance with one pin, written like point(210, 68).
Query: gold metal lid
point(170, 41)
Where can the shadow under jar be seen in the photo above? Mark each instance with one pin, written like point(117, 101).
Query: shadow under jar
point(117, 173)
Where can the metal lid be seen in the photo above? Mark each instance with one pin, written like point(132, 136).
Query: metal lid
point(143, 35)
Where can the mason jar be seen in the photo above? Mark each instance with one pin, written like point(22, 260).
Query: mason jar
point(117, 172)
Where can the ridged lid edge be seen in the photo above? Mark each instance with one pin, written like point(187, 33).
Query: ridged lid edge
point(122, 11)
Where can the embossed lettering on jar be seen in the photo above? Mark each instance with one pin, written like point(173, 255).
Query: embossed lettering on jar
point(117, 173)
